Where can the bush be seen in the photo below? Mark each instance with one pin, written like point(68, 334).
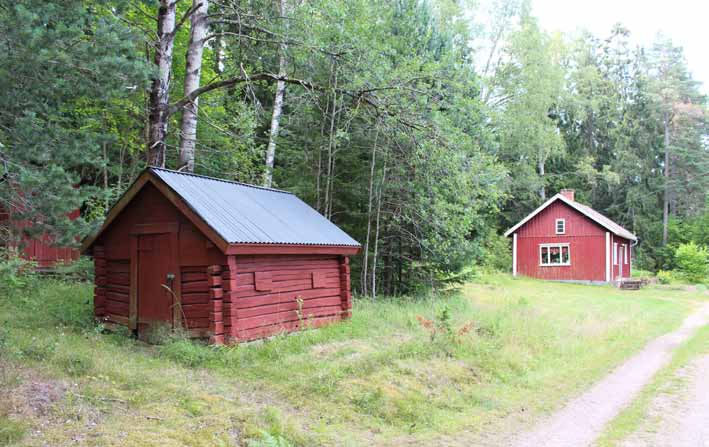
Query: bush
point(691, 261)
point(82, 269)
point(496, 253)
point(665, 277)
point(15, 272)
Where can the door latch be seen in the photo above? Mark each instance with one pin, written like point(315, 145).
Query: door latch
point(170, 278)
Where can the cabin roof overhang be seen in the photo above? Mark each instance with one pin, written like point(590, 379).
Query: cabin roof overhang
point(588, 212)
point(228, 248)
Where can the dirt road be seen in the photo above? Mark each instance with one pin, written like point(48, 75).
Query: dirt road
point(583, 419)
point(678, 417)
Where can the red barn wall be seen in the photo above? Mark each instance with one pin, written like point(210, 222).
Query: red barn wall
point(42, 250)
point(265, 301)
point(195, 254)
point(586, 241)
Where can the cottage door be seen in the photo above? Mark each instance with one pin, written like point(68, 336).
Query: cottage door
point(154, 296)
point(620, 262)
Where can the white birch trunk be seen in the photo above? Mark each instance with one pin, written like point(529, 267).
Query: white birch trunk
point(666, 198)
point(376, 231)
point(193, 71)
point(365, 263)
point(542, 190)
point(160, 88)
point(277, 107)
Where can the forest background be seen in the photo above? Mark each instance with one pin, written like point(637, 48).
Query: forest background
point(423, 128)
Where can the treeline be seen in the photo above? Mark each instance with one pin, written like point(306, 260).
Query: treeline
point(420, 128)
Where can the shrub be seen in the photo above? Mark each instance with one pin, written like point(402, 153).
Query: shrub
point(665, 277)
point(691, 261)
point(82, 269)
point(15, 272)
point(496, 253)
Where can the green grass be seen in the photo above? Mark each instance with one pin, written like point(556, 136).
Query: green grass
point(510, 349)
point(631, 418)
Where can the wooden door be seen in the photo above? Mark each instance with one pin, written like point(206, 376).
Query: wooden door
point(155, 301)
point(620, 261)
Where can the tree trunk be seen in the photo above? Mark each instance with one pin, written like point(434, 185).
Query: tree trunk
point(542, 190)
point(160, 88)
point(193, 71)
point(372, 165)
point(376, 231)
point(331, 151)
point(666, 198)
point(277, 106)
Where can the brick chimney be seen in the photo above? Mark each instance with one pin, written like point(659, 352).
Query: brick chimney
point(568, 193)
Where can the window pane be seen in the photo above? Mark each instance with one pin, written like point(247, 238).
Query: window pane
point(545, 254)
point(560, 226)
point(564, 255)
point(554, 255)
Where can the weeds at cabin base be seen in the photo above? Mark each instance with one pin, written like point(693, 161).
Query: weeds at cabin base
point(410, 368)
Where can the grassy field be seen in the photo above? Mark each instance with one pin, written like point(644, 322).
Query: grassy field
point(495, 354)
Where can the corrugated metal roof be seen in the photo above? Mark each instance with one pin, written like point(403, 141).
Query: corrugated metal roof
point(242, 213)
point(583, 209)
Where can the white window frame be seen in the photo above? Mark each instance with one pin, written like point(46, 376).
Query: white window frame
point(563, 224)
point(625, 253)
point(615, 253)
point(559, 246)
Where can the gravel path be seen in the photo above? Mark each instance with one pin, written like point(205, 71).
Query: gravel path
point(678, 419)
point(582, 420)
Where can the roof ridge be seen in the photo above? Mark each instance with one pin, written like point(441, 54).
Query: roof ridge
point(233, 182)
point(583, 209)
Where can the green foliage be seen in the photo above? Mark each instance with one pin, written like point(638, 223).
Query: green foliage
point(15, 272)
point(497, 253)
point(82, 269)
point(66, 69)
point(426, 136)
point(665, 277)
point(692, 261)
point(11, 431)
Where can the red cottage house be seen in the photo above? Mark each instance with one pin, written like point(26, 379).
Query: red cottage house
point(224, 260)
point(564, 240)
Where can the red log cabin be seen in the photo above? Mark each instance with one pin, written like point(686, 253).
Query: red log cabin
point(221, 259)
point(42, 250)
point(564, 240)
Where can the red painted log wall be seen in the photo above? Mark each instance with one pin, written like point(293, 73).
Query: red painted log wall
point(195, 253)
point(304, 290)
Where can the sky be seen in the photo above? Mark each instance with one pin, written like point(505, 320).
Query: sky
point(686, 22)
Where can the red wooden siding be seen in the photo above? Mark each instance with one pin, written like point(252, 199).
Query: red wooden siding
point(117, 289)
point(42, 249)
point(586, 241)
point(195, 297)
point(265, 301)
point(618, 270)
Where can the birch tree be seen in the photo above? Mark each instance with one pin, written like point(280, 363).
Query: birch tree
point(160, 88)
point(277, 103)
point(193, 70)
